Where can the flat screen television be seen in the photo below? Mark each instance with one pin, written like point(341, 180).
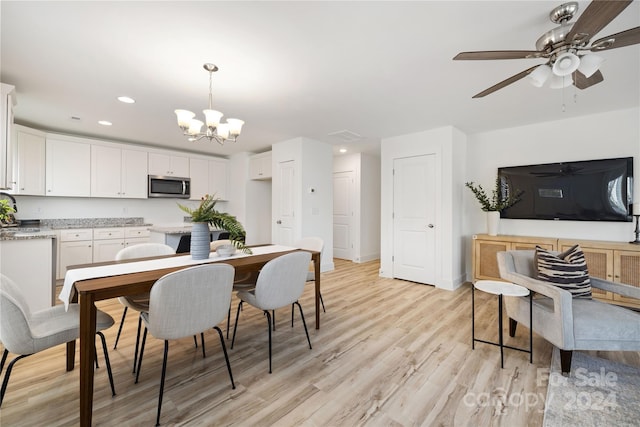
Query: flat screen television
point(590, 190)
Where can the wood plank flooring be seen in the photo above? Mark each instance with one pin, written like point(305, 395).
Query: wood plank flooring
point(389, 353)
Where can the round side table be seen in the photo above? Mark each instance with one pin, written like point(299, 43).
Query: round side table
point(500, 289)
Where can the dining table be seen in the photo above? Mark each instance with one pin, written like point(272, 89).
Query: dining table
point(89, 283)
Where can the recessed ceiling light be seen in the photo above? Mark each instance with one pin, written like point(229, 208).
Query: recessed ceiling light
point(126, 100)
point(343, 150)
point(105, 123)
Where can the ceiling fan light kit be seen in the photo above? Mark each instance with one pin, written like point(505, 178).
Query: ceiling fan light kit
point(215, 131)
point(563, 47)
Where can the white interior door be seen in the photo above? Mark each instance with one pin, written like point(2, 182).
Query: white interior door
point(285, 204)
point(343, 183)
point(414, 218)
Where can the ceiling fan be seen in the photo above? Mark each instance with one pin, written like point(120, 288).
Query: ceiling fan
point(565, 47)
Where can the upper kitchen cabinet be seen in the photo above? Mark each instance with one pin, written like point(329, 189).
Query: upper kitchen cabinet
point(208, 177)
point(68, 167)
point(218, 178)
point(7, 101)
point(260, 166)
point(118, 172)
point(168, 165)
point(28, 161)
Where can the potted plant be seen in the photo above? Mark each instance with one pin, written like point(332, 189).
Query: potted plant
point(501, 198)
point(6, 212)
point(206, 214)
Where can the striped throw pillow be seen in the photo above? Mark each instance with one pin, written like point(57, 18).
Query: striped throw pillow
point(567, 270)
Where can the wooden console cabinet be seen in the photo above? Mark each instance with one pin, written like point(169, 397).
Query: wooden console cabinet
point(613, 261)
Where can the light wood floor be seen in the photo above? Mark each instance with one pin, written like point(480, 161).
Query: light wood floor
point(389, 353)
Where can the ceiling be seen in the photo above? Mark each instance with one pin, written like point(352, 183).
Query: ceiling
point(290, 69)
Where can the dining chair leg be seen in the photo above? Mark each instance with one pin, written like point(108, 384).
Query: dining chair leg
point(228, 320)
point(322, 302)
point(306, 331)
point(95, 356)
point(135, 353)
point(5, 353)
point(107, 362)
point(144, 341)
point(273, 315)
point(7, 374)
point(195, 341)
point(292, 308)
point(202, 339)
point(164, 371)
point(235, 326)
point(226, 356)
point(266, 312)
point(124, 314)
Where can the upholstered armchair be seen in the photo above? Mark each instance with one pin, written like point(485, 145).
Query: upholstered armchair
point(566, 322)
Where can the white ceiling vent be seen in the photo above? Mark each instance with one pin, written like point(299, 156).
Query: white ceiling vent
point(346, 135)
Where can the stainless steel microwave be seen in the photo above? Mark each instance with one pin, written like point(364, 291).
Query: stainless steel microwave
point(169, 186)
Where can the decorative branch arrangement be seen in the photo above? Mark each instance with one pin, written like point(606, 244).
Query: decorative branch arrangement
point(497, 202)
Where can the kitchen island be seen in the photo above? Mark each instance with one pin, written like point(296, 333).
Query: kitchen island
point(171, 236)
point(28, 257)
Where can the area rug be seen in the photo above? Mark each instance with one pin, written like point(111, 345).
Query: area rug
point(597, 393)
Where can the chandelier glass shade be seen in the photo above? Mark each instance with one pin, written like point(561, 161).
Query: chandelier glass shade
point(558, 73)
point(214, 130)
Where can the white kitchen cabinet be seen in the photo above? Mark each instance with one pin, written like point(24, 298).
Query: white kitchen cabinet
point(28, 161)
point(7, 101)
point(260, 166)
point(68, 167)
point(76, 247)
point(107, 242)
point(199, 175)
point(218, 178)
point(117, 172)
point(208, 177)
point(136, 235)
point(30, 264)
point(168, 165)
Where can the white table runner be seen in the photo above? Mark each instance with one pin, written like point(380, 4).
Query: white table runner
point(77, 274)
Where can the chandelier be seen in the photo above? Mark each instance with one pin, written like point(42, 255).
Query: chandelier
point(220, 132)
point(562, 66)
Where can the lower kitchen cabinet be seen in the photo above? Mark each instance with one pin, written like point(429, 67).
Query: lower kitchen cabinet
point(76, 247)
point(30, 264)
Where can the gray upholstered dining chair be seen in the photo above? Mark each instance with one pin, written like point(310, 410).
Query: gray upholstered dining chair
point(569, 323)
point(140, 302)
point(184, 303)
point(280, 284)
point(24, 333)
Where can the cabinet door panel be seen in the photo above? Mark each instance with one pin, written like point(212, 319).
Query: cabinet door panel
point(68, 169)
point(30, 162)
point(627, 271)
point(72, 253)
point(218, 178)
point(105, 171)
point(199, 174)
point(486, 262)
point(106, 250)
point(134, 174)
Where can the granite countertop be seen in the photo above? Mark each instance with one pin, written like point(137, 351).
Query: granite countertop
point(177, 229)
point(26, 233)
point(71, 223)
point(72, 226)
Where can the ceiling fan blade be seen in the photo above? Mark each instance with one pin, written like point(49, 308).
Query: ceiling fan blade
point(594, 18)
point(499, 54)
point(621, 39)
point(506, 82)
point(582, 82)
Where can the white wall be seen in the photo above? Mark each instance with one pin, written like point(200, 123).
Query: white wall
point(448, 144)
point(313, 169)
point(606, 135)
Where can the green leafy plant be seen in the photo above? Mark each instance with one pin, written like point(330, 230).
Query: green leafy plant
point(501, 198)
point(5, 210)
point(207, 212)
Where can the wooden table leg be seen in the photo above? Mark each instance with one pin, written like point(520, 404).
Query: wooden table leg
point(316, 267)
point(71, 355)
point(87, 355)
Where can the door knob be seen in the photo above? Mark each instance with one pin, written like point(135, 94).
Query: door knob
point(430, 225)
